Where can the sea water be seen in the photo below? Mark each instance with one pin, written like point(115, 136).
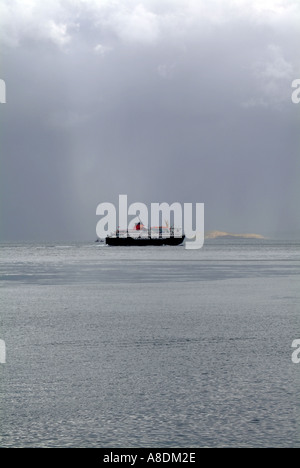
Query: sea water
point(150, 347)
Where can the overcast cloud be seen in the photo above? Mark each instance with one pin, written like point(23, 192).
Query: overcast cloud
point(170, 100)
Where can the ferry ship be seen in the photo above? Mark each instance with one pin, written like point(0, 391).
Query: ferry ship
point(141, 236)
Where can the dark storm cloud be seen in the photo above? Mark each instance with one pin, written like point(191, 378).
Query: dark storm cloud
point(163, 101)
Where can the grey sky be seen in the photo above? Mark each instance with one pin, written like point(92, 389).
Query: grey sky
point(182, 100)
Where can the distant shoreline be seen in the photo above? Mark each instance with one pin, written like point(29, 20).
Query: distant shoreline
point(220, 234)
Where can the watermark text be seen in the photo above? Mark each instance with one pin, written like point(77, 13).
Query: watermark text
point(187, 220)
point(296, 93)
point(296, 353)
point(2, 92)
point(2, 352)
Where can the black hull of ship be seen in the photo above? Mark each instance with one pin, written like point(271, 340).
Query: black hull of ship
point(141, 242)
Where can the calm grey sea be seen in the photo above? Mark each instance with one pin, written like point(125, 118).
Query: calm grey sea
point(155, 347)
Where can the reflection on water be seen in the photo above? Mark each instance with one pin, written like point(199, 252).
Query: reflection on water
point(149, 348)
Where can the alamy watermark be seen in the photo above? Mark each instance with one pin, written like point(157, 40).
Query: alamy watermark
point(183, 220)
point(296, 93)
point(2, 352)
point(296, 353)
point(2, 92)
